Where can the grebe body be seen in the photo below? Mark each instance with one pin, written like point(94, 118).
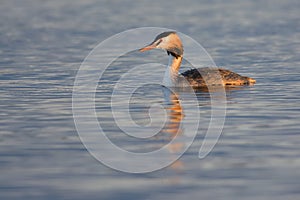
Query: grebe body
point(201, 77)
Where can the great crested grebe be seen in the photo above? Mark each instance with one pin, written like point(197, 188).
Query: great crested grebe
point(201, 77)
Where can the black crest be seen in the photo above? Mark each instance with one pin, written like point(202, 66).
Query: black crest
point(164, 34)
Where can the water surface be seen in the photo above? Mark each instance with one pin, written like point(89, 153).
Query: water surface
point(42, 45)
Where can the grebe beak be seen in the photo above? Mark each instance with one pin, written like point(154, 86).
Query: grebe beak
point(147, 48)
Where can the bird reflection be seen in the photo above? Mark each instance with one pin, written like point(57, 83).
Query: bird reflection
point(173, 126)
point(175, 113)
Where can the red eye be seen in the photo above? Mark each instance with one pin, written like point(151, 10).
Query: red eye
point(159, 41)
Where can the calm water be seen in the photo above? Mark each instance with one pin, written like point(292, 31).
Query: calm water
point(42, 45)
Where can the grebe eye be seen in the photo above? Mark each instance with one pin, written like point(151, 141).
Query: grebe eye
point(159, 41)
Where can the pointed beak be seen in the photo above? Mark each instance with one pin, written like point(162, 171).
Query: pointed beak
point(147, 48)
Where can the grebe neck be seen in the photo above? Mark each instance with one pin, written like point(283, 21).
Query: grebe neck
point(171, 74)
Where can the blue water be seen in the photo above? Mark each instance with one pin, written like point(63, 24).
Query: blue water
point(42, 45)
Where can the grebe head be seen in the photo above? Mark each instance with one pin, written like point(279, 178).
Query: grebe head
point(169, 41)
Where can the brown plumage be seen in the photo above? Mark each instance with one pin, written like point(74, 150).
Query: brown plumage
point(201, 77)
point(211, 76)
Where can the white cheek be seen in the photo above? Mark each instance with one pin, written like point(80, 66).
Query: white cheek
point(166, 40)
point(164, 43)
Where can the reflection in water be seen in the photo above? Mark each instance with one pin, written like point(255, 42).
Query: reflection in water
point(175, 113)
point(228, 89)
point(173, 126)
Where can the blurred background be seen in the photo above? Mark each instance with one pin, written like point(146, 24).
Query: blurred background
point(42, 44)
